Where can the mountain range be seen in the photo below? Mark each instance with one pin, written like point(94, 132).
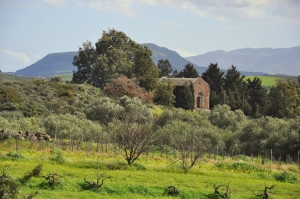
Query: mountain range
point(51, 65)
point(272, 61)
point(248, 61)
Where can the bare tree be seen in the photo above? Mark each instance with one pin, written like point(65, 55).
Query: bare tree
point(227, 192)
point(265, 194)
point(98, 184)
point(52, 178)
point(131, 138)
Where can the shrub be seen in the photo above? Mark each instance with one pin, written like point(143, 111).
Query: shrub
point(59, 159)
point(9, 187)
point(56, 79)
point(34, 173)
point(286, 177)
point(15, 156)
point(9, 95)
point(124, 86)
point(239, 166)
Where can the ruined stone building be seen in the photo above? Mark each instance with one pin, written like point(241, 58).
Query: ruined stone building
point(200, 86)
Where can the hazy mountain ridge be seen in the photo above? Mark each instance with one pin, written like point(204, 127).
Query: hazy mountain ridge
point(267, 60)
point(261, 61)
point(61, 63)
point(174, 58)
point(51, 65)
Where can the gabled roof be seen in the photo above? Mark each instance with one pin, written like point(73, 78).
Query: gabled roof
point(179, 81)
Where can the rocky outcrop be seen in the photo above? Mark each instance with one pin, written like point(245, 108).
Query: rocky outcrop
point(33, 137)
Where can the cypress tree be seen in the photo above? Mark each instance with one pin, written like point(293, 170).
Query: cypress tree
point(186, 99)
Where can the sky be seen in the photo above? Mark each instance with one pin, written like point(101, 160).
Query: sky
point(31, 29)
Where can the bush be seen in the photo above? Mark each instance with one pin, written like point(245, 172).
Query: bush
point(15, 156)
point(56, 79)
point(124, 86)
point(36, 172)
point(9, 187)
point(59, 159)
point(286, 177)
point(241, 167)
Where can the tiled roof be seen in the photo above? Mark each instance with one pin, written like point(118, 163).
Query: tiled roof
point(178, 81)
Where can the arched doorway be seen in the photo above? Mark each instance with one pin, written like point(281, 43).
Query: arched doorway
point(200, 100)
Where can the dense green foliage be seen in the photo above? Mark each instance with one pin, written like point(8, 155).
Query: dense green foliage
point(214, 77)
point(54, 107)
point(164, 68)
point(249, 95)
point(189, 71)
point(186, 97)
point(285, 99)
point(41, 97)
point(163, 94)
point(115, 55)
point(132, 129)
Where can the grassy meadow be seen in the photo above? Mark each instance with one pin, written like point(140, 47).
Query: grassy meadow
point(147, 177)
point(267, 81)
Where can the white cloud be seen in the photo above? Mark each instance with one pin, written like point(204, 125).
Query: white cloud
point(264, 10)
point(240, 9)
point(12, 61)
point(57, 2)
point(118, 6)
point(149, 2)
point(22, 57)
point(184, 53)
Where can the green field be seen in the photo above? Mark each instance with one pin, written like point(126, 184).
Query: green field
point(267, 81)
point(148, 177)
point(67, 77)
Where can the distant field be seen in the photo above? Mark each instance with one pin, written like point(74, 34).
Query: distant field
point(67, 77)
point(267, 81)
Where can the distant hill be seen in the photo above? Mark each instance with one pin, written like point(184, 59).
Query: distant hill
point(51, 65)
point(174, 58)
point(266, 60)
point(259, 61)
point(61, 63)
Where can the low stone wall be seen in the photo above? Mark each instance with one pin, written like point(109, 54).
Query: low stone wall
point(33, 137)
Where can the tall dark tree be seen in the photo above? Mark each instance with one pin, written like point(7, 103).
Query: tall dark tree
point(235, 87)
point(258, 98)
point(233, 78)
point(186, 97)
point(85, 64)
point(144, 68)
point(175, 73)
point(214, 77)
point(189, 71)
point(164, 68)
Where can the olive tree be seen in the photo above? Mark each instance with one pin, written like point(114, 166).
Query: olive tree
point(103, 110)
point(71, 127)
point(133, 129)
point(224, 118)
point(191, 141)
